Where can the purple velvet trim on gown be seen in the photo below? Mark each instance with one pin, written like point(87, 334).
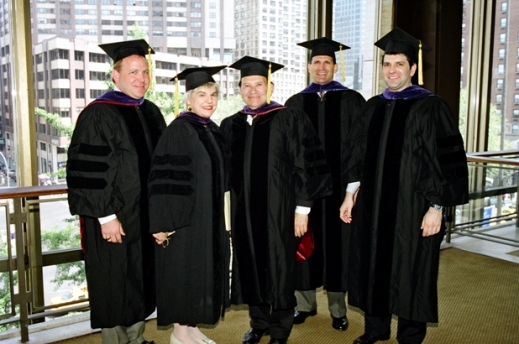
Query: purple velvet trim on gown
point(117, 97)
point(410, 92)
point(262, 110)
point(193, 117)
point(331, 86)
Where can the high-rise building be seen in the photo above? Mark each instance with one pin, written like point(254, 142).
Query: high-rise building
point(70, 70)
point(349, 29)
point(201, 28)
point(504, 94)
point(270, 30)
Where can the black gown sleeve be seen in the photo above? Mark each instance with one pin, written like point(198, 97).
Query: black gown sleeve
point(172, 178)
point(314, 179)
point(93, 163)
point(443, 173)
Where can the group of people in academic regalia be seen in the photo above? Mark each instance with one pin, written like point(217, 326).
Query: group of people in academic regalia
point(364, 183)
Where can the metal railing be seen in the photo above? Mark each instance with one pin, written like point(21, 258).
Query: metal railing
point(25, 259)
point(493, 176)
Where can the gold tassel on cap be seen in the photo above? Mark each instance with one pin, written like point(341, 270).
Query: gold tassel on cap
point(269, 81)
point(177, 97)
point(343, 70)
point(420, 74)
point(149, 68)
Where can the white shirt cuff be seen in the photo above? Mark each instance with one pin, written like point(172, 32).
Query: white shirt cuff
point(103, 220)
point(353, 187)
point(303, 210)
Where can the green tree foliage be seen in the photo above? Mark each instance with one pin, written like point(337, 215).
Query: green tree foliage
point(66, 238)
point(494, 129)
point(227, 107)
point(55, 121)
point(5, 292)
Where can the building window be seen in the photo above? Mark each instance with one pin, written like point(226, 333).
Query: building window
point(516, 99)
point(60, 93)
point(501, 53)
point(516, 115)
point(80, 93)
point(96, 93)
point(499, 98)
point(64, 113)
point(502, 38)
point(517, 84)
point(56, 54)
point(503, 23)
point(500, 68)
point(59, 74)
point(504, 6)
point(93, 57)
point(98, 76)
point(79, 74)
point(79, 55)
point(499, 84)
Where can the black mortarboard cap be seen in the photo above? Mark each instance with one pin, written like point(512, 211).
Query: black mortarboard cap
point(253, 66)
point(397, 41)
point(197, 76)
point(119, 50)
point(323, 46)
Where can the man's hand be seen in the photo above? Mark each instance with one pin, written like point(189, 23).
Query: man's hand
point(347, 206)
point(160, 237)
point(300, 224)
point(431, 222)
point(112, 231)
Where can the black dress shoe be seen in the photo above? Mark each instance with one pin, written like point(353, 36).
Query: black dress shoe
point(340, 324)
point(253, 336)
point(278, 341)
point(300, 317)
point(367, 338)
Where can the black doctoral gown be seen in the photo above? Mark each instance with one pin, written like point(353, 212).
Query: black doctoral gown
point(276, 164)
point(332, 117)
point(107, 170)
point(408, 154)
point(186, 186)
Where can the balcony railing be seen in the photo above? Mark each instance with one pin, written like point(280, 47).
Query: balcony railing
point(22, 260)
point(493, 186)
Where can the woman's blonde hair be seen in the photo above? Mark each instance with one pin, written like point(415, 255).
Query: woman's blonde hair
point(207, 84)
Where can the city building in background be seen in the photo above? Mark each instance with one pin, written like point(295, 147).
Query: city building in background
point(70, 70)
point(504, 95)
point(349, 26)
point(270, 30)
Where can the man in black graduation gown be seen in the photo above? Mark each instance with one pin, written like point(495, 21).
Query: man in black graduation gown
point(108, 164)
point(277, 164)
point(410, 162)
point(331, 108)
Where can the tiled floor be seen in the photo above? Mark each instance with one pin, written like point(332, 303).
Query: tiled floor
point(491, 248)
